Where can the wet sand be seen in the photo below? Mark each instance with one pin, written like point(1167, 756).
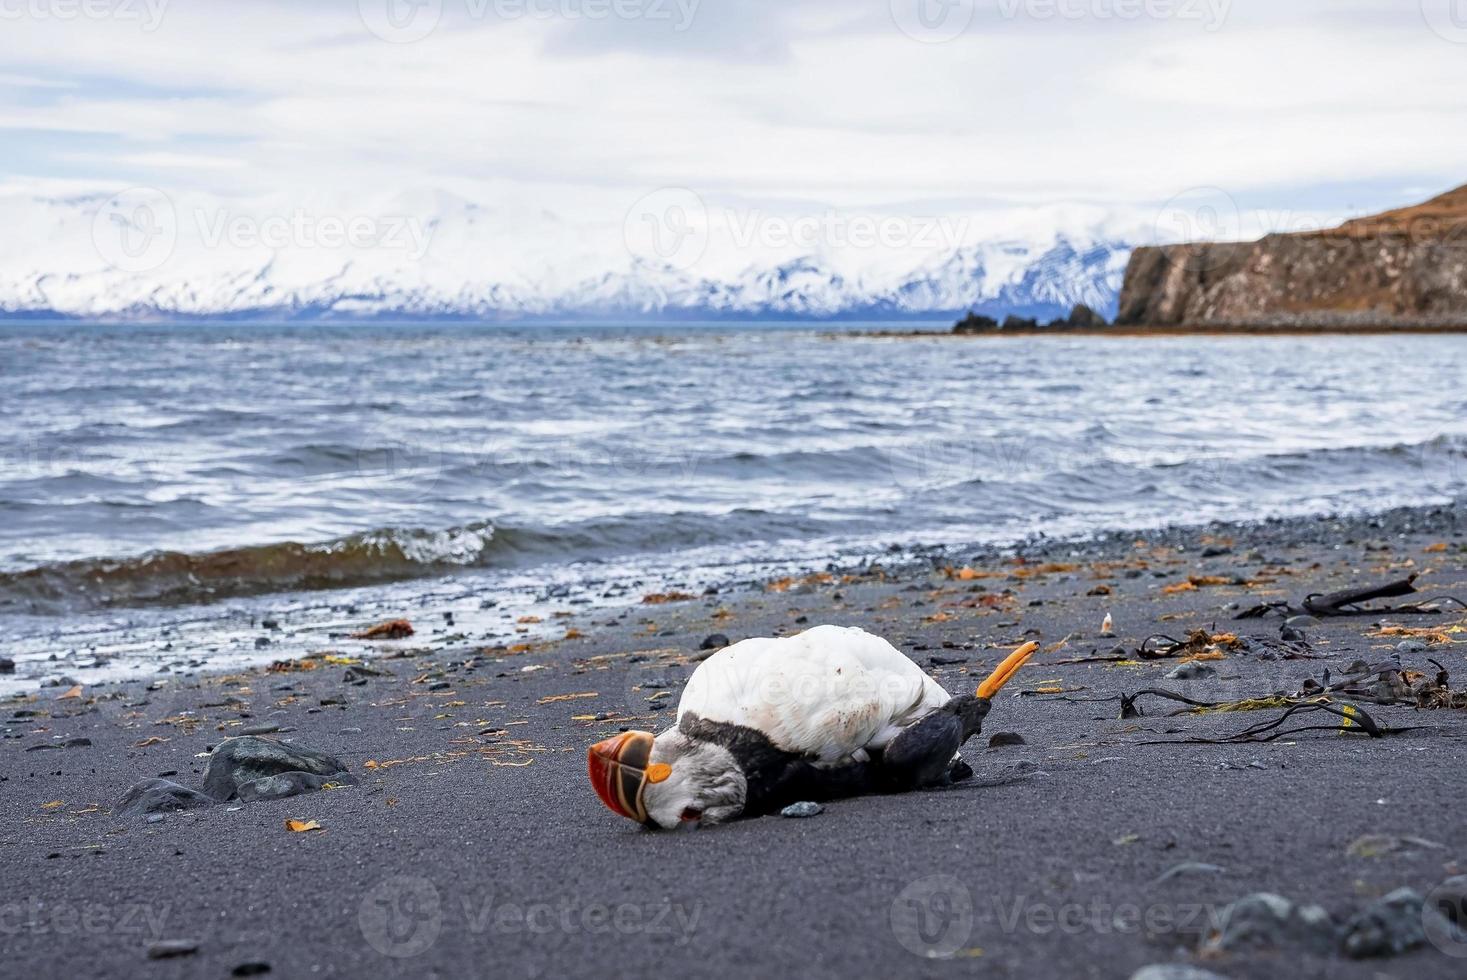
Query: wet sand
point(473, 845)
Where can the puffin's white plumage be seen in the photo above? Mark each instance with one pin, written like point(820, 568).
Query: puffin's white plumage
point(830, 692)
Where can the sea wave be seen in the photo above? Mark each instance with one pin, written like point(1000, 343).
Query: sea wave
point(384, 555)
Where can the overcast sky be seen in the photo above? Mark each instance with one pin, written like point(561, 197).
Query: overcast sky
point(581, 107)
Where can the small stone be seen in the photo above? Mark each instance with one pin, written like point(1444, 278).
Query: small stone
point(78, 743)
point(1002, 739)
point(167, 949)
point(244, 758)
point(1191, 671)
point(154, 818)
point(1391, 926)
point(159, 796)
point(259, 730)
point(1216, 551)
point(261, 642)
point(1301, 622)
point(1411, 646)
point(440, 686)
point(360, 674)
point(7, 666)
point(253, 968)
point(714, 641)
point(287, 784)
point(800, 810)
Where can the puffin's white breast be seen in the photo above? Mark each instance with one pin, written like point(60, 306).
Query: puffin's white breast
point(828, 692)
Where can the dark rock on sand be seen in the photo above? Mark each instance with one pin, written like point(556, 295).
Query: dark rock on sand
point(1193, 671)
point(7, 666)
point(253, 968)
point(245, 758)
point(1001, 739)
point(286, 784)
point(1391, 926)
point(159, 796)
point(1267, 921)
point(799, 810)
point(714, 641)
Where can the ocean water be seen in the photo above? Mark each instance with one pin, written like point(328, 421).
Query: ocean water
point(160, 474)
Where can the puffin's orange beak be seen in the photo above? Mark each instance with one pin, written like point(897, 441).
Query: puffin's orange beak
point(618, 770)
point(1006, 670)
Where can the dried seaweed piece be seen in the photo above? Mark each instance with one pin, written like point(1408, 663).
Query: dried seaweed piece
point(1346, 602)
point(1352, 717)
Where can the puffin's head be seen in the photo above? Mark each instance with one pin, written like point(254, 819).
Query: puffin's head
point(669, 781)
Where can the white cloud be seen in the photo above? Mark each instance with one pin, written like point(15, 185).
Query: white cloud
point(546, 105)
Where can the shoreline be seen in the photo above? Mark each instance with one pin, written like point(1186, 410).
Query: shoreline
point(475, 793)
point(253, 630)
point(1211, 330)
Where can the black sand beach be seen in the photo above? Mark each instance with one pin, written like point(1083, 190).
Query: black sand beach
point(472, 845)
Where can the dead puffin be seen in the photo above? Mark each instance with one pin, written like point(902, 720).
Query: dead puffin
point(833, 712)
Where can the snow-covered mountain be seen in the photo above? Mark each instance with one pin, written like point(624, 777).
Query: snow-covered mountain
point(143, 254)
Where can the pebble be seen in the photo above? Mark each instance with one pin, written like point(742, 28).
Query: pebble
point(259, 730)
point(7, 666)
point(244, 758)
point(1411, 646)
point(1001, 739)
point(1391, 926)
point(1195, 670)
point(1301, 622)
point(254, 968)
point(798, 810)
point(169, 948)
point(152, 796)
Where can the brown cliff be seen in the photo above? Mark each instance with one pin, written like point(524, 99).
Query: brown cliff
point(1402, 269)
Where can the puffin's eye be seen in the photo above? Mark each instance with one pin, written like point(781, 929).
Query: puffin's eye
point(690, 814)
